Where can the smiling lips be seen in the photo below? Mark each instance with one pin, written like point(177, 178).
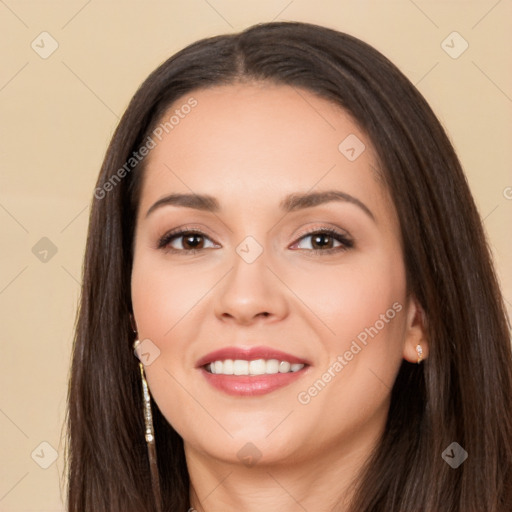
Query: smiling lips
point(250, 371)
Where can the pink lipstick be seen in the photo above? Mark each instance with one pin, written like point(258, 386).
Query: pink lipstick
point(251, 371)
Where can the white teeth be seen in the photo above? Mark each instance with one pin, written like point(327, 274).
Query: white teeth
point(228, 367)
point(239, 367)
point(255, 367)
point(284, 367)
point(272, 366)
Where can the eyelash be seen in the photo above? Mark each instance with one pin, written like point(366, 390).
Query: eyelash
point(346, 243)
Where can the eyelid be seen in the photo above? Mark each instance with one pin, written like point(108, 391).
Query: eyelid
point(326, 229)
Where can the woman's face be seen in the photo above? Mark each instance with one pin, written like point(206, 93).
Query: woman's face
point(295, 259)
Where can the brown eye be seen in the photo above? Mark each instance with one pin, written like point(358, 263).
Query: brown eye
point(183, 241)
point(322, 240)
point(325, 241)
point(192, 241)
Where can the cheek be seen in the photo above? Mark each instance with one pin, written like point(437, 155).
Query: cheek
point(362, 312)
point(364, 308)
point(359, 300)
point(167, 304)
point(163, 294)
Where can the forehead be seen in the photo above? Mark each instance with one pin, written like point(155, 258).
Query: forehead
point(258, 139)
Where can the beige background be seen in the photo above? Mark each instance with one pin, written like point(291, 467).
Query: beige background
point(57, 116)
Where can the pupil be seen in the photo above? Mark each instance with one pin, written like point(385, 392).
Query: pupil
point(321, 237)
point(192, 237)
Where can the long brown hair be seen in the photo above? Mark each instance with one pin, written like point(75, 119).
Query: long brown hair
point(462, 393)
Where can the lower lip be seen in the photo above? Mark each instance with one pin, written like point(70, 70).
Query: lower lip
point(247, 385)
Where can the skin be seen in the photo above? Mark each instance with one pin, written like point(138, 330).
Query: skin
point(249, 146)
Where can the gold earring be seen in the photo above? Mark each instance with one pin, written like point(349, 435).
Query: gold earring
point(419, 351)
point(149, 433)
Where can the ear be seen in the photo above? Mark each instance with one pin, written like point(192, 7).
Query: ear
point(415, 332)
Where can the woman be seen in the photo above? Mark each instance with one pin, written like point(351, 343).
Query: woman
point(282, 231)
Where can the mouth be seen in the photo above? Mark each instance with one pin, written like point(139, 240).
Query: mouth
point(251, 371)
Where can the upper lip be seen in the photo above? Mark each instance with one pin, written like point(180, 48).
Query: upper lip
point(249, 354)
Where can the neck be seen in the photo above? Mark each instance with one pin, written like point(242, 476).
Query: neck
point(322, 483)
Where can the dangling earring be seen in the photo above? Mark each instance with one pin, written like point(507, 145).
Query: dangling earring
point(150, 433)
point(419, 351)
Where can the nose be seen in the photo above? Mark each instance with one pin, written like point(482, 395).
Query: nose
point(251, 292)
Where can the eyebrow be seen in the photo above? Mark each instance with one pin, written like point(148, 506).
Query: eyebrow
point(290, 203)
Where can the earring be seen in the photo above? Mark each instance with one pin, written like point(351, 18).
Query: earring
point(419, 351)
point(149, 433)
